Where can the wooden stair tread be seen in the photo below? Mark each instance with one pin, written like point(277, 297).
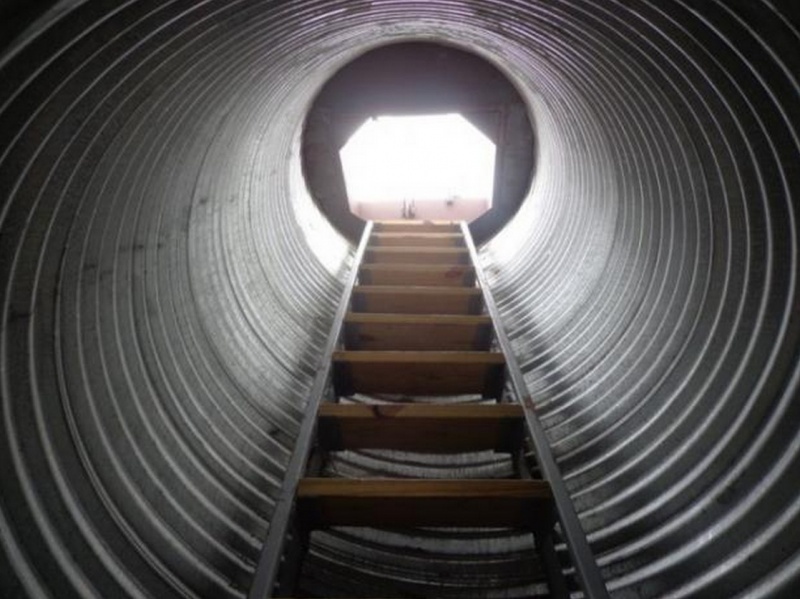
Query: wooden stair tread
point(419, 373)
point(415, 327)
point(410, 299)
point(446, 275)
point(427, 428)
point(416, 255)
point(420, 357)
point(402, 226)
point(417, 239)
point(417, 332)
point(408, 503)
point(444, 319)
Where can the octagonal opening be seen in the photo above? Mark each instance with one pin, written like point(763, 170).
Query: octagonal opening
point(418, 78)
point(427, 167)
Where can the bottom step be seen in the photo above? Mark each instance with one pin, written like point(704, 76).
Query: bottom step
point(410, 503)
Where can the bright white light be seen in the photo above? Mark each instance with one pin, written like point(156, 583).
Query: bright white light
point(391, 159)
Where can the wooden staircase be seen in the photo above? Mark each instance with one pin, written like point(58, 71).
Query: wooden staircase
point(412, 325)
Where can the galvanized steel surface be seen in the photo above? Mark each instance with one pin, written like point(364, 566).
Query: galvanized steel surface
point(582, 559)
point(168, 286)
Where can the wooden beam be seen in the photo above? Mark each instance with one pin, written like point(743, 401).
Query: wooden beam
point(418, 226)
point(419, 373)
point(427, 428)
point(417, 274)
point(409, 503)
point(416, 255)
point(417, 239)
point(421, 332)
point(407, 299)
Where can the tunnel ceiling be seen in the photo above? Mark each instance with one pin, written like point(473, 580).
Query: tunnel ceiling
point(168, 281)
point(412, 78)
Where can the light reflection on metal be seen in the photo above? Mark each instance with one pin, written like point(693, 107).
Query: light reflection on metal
point(585, 564)
point(167, 286)
point(269, 562)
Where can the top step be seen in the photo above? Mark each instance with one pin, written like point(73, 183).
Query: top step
point(417, 239)
point(416, 226)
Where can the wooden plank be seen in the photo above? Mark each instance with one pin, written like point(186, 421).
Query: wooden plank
point(429, 357)
point(417, 332)
point(419, 373)
point(409, 503)
point(416, 226)
point(427, 428)
point(416, 255)
point(417, 239)
point(395, 299)
point(440, 275)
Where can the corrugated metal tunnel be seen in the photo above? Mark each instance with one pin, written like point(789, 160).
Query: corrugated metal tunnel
point(167, 284)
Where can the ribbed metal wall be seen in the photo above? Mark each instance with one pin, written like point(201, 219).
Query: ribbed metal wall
point(167, 282)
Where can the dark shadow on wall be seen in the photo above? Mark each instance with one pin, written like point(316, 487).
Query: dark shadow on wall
point(17, 15)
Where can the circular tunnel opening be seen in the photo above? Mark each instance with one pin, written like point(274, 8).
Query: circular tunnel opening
point(167, 285)
point(413, 79)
